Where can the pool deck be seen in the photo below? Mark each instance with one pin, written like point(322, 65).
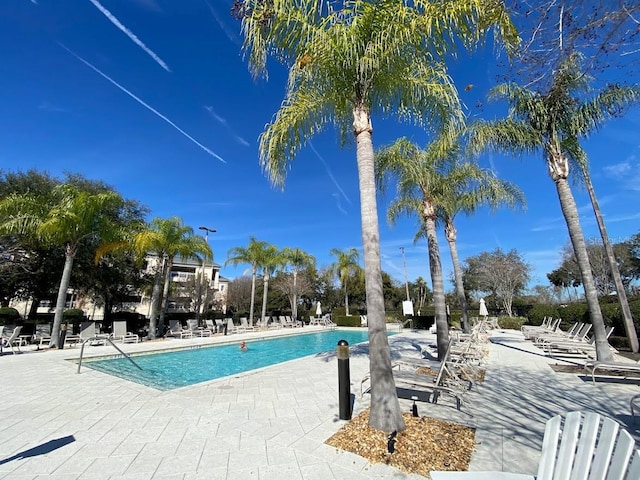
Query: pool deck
point(265, 424)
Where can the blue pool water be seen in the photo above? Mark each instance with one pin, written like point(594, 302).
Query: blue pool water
point(169, 370)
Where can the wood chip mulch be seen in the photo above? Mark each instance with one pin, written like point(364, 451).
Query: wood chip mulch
point(427, 444)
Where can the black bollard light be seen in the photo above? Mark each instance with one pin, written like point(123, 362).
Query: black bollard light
point(414, 408)
point(391, 442)
point(344, 381)
point(63, 335)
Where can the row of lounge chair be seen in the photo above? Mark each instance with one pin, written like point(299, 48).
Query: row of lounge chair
point(454, 375)
point(42, 336)
point(575, 342)
point(555, 342)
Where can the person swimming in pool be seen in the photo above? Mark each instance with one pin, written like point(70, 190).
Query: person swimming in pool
point(243, 346)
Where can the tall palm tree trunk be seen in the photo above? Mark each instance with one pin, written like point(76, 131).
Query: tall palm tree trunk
point(346, 300)
point(629, 326)
point(294, 306)
point(253, 295)
point(155, 304)
point(165, 293)
point(570, 212)
point(264, 298)
point(450, 232)
point(435, 268)
point(385, 411)
point(70, 254)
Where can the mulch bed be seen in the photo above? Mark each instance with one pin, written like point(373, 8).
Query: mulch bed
point(427, 444)
point(579, 369)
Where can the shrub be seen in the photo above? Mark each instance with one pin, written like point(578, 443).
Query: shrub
point(9, 316)
point(513, 323)
point(574, 312)
point(619, 343)
point(538, 311)
point(73, 315)
point(347, 321)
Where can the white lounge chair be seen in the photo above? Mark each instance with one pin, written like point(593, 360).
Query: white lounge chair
point(244, 325)
point(593, 366)
point(14, 342)
point(119, 333)
point(586, 446)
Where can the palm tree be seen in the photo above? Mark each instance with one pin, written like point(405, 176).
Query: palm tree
point(298, 260)
point(270, 260)
point(552, 122)
point(70, 218)
point(629, 325)
point(252, 255)
point(422, 181)
point(347, 264)
point(367, 57)
point(470, 188)
point(164, 238)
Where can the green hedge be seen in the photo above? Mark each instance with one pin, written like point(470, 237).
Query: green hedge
point(73, 315)
point(9, 316)
point(513, 323)
point(346, 321)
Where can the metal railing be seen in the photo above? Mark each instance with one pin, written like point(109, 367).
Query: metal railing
point(107, 339)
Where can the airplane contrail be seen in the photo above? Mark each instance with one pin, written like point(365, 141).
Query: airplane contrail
point(141, 102)
point(333, 179)
point(130, 34)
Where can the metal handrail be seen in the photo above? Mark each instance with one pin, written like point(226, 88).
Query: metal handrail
point(90, 339)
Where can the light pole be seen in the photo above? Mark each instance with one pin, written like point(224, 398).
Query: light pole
point(404, 269)
point(201, 283)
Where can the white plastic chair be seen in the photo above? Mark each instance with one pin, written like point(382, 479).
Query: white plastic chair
point(587, 446)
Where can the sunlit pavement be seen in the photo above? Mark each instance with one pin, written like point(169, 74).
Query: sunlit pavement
point(265, 424)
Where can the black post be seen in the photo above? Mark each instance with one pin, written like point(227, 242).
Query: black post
point(63, 335)
point(344, 381)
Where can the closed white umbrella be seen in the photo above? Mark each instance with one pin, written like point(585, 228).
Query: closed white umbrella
point(483, 309)
point(318, 309)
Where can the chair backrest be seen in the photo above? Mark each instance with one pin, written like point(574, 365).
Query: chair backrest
point(88, 329)
point(587, 446)
point(175, 325)
point(15, 334)
point(210, 324)
point(192, 324)
point(120, 328)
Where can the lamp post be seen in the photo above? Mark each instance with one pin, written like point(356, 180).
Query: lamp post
point(201, 283)
point(404, 269)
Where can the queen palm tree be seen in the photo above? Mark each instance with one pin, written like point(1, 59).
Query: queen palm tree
point(271, 260)
point(629, 325)
point(470, 188)
point(422, 179)
point(252, 254)
point(552, 122)
point(71, 217)
point(164, 238)
point(347, 264)
point(369, 57)
point(298, 260)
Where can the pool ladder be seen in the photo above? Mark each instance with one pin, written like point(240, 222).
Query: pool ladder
point(107, 339)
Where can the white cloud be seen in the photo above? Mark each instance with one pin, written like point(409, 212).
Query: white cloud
point(130, 34)
point(617, 170)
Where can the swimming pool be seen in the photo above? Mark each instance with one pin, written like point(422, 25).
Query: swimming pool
point(175, 369)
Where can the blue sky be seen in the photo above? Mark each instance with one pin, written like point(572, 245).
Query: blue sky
point(154, 98)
